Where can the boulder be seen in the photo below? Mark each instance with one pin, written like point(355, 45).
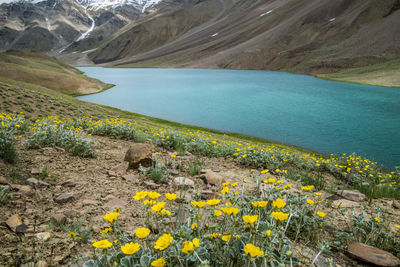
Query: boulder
point(213, 178)
point(352, 195)
point(65, 197)
point(185, 182)
point(372, 255)
point(139, 154)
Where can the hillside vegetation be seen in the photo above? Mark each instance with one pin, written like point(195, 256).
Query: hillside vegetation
point(37, 69)
point(70, 195)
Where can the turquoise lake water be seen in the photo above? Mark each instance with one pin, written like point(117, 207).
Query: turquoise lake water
point(324, 116)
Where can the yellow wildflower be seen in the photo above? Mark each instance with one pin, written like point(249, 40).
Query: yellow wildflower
point(102, 244)
point(278, 203)
point(264, 171)
point(153, 195)
point(163, 242)
point(158, 263)
point(226, 238)
point(250, 219)
point(321, 214)
point(214, 235)
point(234, 184)
point(230, 211)
point(318, 194)
point(307, 188)
point(111, 217)
point(118, 210)
point(217, 213)
point(198, 204)
point(397, 226)
point(158, 207)
point(72, 234)
point(268, 233)
point(105, 231)
point(140, 195)
point(171, 197)
point(259, 204)
point(280, 216)
point(142, 232)
point(225, 190)
point(130, 248)
point(253, 251)
point(310, 202)
point(377, 219)
point(194, 225)
point(213, 202)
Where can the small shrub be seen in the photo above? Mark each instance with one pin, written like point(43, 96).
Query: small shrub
point(4, 196)
point(195, 167)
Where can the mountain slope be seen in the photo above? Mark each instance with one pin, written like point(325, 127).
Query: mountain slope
point(18, 67)
point(306, 36)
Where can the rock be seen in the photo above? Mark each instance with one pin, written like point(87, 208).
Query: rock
point(35, 171)
point(151, 185)
point(344, 203)
point(65, 197)
point(43, 236)
point(69, 213)
point(22, 189)
point(139, 154)
point(59, 219)
point(396, 204)
point(90, 202)
point(35, 183)
point(69, 183)
point(15, 223)
point(115, 203)
point(352, 195)
point(120, 168)
point(111, 173)
point(130, 177)
point(213, 178)
point(372, 255)
point(3, 180)
point(185, 182)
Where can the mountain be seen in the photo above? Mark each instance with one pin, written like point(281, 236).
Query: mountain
point(305, 36)
point(65, 26)
point(309, 36)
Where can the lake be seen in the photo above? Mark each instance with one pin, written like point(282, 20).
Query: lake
point(324, 116)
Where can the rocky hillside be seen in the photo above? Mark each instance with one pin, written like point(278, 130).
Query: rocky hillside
point(307, 36)
point(60, 27)
point(79, 181)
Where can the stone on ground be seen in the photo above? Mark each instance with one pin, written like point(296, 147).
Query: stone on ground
point(213, 178)
point(372, 255)
point(139, 154)
point(15, 223)
point(352, 195)
point(65, 197)
point(3, 180)
point(43, 236)
point(115, 203)
point(344, 203)
point(185, 182)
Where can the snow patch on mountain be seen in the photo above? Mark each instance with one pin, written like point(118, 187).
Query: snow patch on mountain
point(107, 4)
